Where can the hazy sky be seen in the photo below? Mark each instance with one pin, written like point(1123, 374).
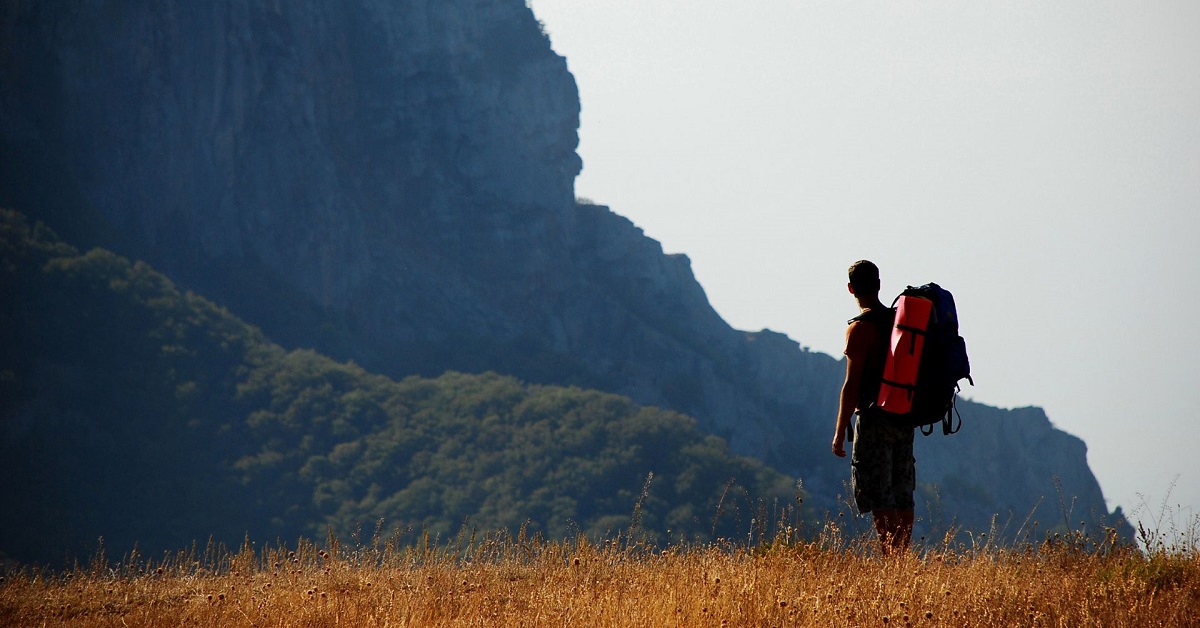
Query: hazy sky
point(1041, 160)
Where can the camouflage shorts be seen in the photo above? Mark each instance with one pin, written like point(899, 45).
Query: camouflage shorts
point(883, 471)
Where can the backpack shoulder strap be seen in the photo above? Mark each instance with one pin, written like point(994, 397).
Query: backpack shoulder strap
point(881, 315)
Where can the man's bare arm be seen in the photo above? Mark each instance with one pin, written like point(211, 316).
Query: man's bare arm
point(854, 367)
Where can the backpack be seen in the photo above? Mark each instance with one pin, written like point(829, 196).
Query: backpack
point(926, 360)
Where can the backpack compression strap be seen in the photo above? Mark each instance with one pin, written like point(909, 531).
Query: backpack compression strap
point(948, 425)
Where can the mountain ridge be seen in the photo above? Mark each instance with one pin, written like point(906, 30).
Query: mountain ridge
point(394, 185)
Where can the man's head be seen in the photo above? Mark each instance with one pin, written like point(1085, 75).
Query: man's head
point(864, 278)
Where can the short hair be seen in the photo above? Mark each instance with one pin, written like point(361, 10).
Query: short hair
point(864, 276)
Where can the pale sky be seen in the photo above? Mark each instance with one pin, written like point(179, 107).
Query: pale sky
point(1041, 160)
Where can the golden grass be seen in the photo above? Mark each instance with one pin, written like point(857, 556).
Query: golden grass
point(505, 581)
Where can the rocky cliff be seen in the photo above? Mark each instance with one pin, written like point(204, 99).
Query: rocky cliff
point(393, 183)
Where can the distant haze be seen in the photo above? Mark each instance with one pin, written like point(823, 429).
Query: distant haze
point(1040, 160)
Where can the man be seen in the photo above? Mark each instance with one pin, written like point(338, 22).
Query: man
point(882, 467)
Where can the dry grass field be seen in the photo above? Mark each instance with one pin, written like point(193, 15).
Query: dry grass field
point(500, 580)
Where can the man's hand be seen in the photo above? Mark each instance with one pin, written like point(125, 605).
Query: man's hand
point(839, 442)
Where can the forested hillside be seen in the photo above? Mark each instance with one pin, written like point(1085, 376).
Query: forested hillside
point(142, 414)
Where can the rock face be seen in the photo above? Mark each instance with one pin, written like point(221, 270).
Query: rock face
point(392, 182)
point(330, 146)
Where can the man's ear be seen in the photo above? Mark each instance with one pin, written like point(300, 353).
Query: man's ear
point(850, 287)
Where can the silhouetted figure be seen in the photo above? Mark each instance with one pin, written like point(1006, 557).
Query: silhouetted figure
point(882, 466)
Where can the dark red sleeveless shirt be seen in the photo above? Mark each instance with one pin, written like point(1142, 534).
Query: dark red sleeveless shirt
point(874, 348)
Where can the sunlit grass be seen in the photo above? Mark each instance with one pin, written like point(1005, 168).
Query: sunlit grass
point(504, 580)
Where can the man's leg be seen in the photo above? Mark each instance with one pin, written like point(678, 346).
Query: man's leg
point(902, 482)
point(894, 528)
point(904, 527)
point(883, 527)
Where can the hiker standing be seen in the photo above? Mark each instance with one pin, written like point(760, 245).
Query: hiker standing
point(882, 466)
